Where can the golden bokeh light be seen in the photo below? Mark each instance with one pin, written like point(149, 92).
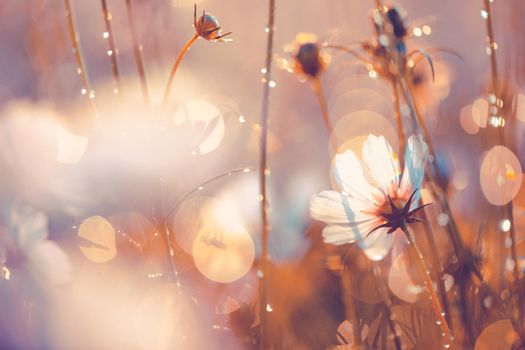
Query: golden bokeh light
point(480, 110)
point(400, 280)
point(498, 335)
point(223, 256)
point(520, 107)
point(188, 220)
point(360, 99)
point(467, 122)
point(500, 175)
point(362, 123)
point(97, 239)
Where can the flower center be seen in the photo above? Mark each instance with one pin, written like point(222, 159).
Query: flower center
point(396, 213)
point(386, 207)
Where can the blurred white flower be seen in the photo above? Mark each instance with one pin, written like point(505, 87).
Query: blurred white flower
point(375, 200)
point(43, 258)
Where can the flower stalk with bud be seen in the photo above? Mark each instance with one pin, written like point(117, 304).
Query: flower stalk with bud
point(310, 63)
point(206, 27)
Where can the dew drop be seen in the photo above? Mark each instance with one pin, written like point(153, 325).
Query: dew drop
point(504, 225)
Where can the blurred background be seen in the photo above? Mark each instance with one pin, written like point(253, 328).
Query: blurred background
point(83, 192)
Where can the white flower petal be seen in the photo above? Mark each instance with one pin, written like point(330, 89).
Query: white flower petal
point(336, 208)
point(27, 226)
point(382, 162)
point(377, 244)
point(49, 263)
point(415, 159)
point(348, 172)
point(343, 234)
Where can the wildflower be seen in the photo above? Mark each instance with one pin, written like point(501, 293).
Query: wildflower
point(207, 26)
point(375, 200)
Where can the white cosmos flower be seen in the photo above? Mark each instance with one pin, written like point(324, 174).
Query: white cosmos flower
point(28, 231)
point(375, 198)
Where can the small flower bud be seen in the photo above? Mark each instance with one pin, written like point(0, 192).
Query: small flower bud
point(308, 61)
point(207, 26)
point(396, 20)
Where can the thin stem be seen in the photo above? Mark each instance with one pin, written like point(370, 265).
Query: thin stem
point(137, 50)
point(347, 50)
point(263, 284)
point(508, 210)
point(387, 304)
point(77, 53)
point(112, 53)
point(490, 36)
point(433, 175)
point(316, 84)
point(166, 234)
point(174, 69)
point(201, 186)
point(438, 273)
point(399, 122)
point(434, 300)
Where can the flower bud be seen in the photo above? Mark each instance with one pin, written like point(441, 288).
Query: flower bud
point(395, 18)
point(308, 61)
point(207, 27)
